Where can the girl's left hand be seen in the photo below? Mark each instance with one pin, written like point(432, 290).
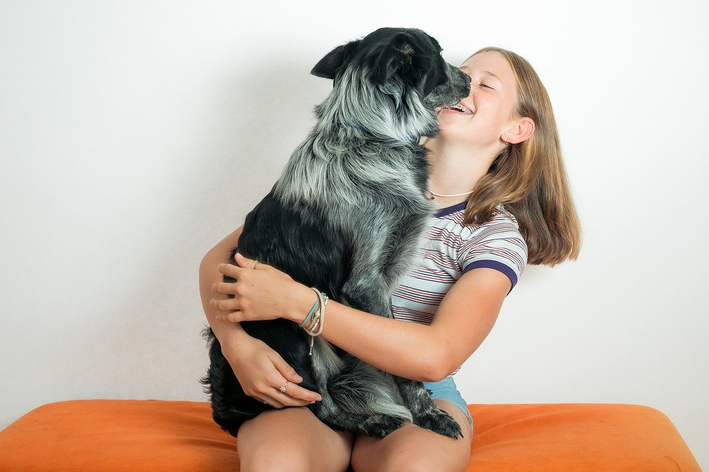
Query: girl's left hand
point(260, 292)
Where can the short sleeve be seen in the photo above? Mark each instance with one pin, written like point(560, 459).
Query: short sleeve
point(497, 244)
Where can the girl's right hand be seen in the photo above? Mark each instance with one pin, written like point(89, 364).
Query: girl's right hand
point(262, 372)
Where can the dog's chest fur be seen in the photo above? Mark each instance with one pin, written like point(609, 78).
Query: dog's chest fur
point(332, 211)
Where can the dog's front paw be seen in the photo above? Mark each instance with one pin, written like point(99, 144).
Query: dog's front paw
point(439, 422)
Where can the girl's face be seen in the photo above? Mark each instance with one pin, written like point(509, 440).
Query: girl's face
point(488, 113)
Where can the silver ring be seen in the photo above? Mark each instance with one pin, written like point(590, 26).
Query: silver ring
point(283, 387)
point(256, 262)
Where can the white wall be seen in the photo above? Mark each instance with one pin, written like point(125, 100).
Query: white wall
point(136, 134)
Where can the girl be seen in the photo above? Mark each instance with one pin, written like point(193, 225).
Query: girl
point(498, 179)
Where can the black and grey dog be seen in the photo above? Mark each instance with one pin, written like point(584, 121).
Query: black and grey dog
point(345, 216)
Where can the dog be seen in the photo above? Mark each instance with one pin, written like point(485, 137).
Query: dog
point(345, 216)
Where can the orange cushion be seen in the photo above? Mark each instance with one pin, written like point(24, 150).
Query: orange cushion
point(576, 437)
point(121, 435)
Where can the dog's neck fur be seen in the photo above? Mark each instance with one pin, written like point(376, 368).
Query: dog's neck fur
point(360, 133)
point(389, 111)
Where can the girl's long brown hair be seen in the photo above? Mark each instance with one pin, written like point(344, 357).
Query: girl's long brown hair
point(529, 178)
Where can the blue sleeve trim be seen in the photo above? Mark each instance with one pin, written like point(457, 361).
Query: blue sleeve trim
point(499, 266)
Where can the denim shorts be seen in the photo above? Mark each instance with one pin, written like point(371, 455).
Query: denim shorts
point(446, 390)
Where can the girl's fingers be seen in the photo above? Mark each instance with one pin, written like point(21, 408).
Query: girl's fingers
point(298, 396)
point(231, 317)
point(230, 270)
point(286, 400)
point(285, 369)
point(272, 403)
point(225, 304)
point(247, 263)
point(244, 261)
point(294, 392)
point(225, 288)
point(293, 396)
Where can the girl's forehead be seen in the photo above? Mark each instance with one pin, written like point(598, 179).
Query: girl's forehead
point(490, 63)
point(488, 60)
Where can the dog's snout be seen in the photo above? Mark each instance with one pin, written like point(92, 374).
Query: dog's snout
point(466, 79)
point(459, 79)
point(459, 83)
point(455, 88)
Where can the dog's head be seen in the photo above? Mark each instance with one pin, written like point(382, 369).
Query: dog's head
point(397, 75)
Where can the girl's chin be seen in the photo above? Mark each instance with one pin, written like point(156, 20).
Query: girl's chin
point(454, 134)
point(452, 128)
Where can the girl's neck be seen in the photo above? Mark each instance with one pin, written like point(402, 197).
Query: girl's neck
point(454, 170)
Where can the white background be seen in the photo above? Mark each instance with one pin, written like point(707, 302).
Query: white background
point(134, 135)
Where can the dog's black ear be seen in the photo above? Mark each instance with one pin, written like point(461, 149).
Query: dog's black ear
point(331, 65)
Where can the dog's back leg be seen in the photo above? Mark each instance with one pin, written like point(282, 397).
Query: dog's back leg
point(365, 399)
point(362, 399)
point(425, 412)
point(369, 291)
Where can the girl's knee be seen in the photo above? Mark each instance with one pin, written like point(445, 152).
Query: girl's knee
point(412, 450)
point(328, 453)
point(423, 462)
point(294, 440)
point(408, 462)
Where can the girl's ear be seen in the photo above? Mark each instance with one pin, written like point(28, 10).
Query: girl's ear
point(522, 130)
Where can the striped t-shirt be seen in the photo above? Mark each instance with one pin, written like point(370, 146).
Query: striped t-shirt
point(447, 250)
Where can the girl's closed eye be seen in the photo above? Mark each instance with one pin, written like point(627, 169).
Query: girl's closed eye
point(486, 86)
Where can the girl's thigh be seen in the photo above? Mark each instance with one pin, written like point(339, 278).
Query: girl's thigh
point(292, 439)
point(412, 448)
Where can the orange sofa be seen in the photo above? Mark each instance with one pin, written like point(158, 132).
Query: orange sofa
point(148, 435)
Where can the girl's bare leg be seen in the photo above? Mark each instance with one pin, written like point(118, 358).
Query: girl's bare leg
point(412, 448)
point(292, 439)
